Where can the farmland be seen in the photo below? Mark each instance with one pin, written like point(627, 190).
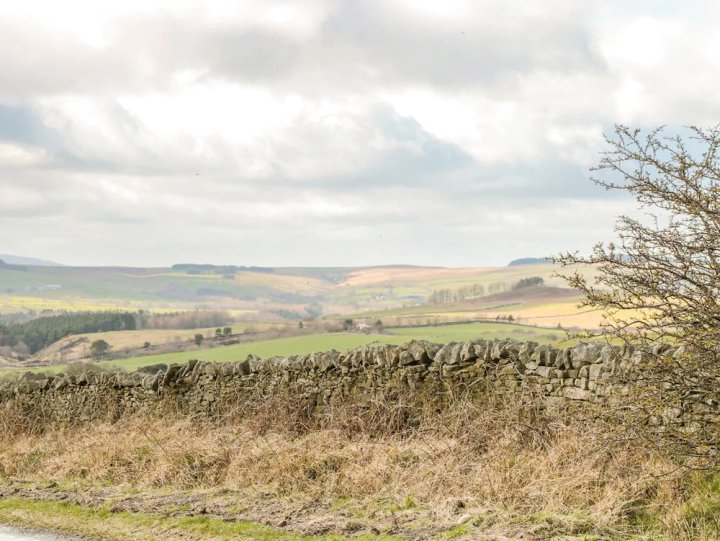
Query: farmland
point(308, 343)
point(285, 311)
point(299, 345)
point(282, 293)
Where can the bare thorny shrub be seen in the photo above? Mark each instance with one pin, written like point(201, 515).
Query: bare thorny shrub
point(659, 285)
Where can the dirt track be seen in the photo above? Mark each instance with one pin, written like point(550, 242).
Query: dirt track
point(295, 516)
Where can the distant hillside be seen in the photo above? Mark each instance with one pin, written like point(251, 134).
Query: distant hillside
point(18, 260)
point(528, 261)
point(253, 294)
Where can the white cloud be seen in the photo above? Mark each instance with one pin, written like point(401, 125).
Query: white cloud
point(15, 156)
point(330, 132)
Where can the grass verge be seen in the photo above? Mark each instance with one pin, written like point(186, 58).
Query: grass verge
point(105, 524)
point(475, 470)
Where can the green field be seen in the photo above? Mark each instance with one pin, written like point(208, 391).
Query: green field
point(300, 345)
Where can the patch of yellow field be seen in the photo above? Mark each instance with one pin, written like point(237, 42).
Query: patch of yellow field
point(304, 285)
point(298, 284)
point(590, 319)
point(130, 339)
point(380, 276)
point(424, 280)
point(14, 304)
point(567, 314)
point(530, 311)
point(77, 346)
point(18, 303)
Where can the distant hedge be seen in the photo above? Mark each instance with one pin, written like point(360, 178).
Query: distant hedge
point(194, 268)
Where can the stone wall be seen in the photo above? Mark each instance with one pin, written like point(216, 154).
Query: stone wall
point(320, 380)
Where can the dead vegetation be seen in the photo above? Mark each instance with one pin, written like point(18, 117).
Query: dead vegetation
point(505, 459)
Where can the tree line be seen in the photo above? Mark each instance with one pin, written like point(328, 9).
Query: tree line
point(474, 291)
point(195, 319)
point(229, 270)
point(31, 336)
point(449, 296)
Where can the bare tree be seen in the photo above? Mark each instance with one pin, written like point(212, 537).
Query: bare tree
point(658, 285)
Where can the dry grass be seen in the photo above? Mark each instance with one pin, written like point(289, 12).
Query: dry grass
point(510, 458)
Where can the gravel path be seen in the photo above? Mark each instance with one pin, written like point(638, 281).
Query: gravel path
point(15, 534)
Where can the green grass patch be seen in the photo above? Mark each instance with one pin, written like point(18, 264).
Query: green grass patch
point(301, 345)
point(296, 345)
point(458, 531)
point(103, 523)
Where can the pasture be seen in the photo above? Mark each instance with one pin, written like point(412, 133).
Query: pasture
point(299, 345)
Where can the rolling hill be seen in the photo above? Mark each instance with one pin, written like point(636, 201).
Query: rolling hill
point(19, 260)
point(279, 293)
point(402, 298)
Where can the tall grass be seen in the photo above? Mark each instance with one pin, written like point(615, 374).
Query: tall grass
point(509, 456)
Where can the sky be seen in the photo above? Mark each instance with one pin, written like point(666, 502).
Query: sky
point(331, 132)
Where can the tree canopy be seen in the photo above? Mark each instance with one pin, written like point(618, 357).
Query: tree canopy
point(43, 331)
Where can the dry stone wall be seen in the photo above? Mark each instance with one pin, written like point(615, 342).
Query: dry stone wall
point(319, 380)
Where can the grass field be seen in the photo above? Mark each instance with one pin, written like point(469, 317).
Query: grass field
point(299, 345)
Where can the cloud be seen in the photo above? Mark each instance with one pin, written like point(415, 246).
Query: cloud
point(330, 132)
point(316, 49)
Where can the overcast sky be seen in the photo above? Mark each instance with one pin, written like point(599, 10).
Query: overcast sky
point(331, 132)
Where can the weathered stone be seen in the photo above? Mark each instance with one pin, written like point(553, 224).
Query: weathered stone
point(562, 359)
point(392, 357)
point(445, 354)
point(467, 353)
point(434, 372)
point(595, 370)
point(422, 351)
point(242, 368)
point(585, 354)
point(540, 355)
point(509, 368)
point(526, 351)
point(545, 371)
point(406, 358)
point(171, 374)
point(575, 393)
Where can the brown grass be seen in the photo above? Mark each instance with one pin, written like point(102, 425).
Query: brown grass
point(511, 458)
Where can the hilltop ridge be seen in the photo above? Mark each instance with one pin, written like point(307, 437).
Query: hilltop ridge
point(32, 261)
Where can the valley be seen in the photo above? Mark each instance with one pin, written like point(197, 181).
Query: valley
point(284, 311)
